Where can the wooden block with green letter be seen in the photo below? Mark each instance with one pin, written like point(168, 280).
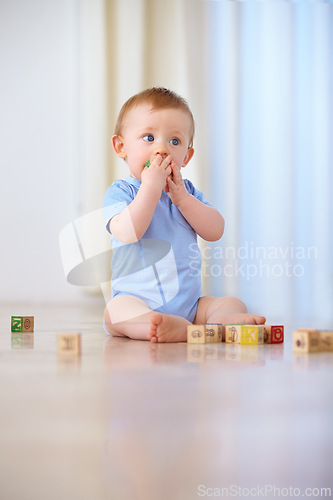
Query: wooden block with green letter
point(22, 324)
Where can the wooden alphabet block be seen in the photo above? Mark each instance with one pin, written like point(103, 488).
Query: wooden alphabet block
point(306, 340)
point(326, 340)
point(244, 334)
point(196, 334)
point(274, 334)
point(69, 343)
point(233, 334)
point(252, 334)
point(204, 334)
point(213, 333)
point(22, 324)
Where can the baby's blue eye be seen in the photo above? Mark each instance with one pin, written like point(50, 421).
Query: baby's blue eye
point(148, 138)
point(174, 142)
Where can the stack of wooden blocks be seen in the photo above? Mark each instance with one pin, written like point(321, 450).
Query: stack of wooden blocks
point(307, 340)
point(235, 334)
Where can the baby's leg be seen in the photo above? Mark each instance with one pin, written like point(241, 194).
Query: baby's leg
point(128, 316)
point(225, 310)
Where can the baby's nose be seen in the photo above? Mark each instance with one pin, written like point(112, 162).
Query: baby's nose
point(161, 149)
point(164, 155)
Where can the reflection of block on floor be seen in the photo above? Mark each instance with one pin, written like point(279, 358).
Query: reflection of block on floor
point(249, 354)
point(232, 352)
point(69, 343)
point(196, 353)
point(22, 340)
point(306, 340)
point(326, 340)
point(212, 352)
point(274, 334)
point(22, 324)
point(244, 334)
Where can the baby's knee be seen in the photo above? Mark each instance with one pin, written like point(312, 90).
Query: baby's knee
point(236, 304)
point(125, 308)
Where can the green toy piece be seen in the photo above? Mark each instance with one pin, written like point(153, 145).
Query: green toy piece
point(147, 164)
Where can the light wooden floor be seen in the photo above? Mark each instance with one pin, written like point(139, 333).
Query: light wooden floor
point(132, 420)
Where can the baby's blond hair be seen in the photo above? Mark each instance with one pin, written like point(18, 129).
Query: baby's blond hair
point(158, 97)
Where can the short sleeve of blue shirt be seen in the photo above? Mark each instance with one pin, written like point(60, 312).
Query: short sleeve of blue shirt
point(118, 196)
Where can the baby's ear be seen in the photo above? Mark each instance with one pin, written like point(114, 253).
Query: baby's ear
point(118, 146)
point(189, 154)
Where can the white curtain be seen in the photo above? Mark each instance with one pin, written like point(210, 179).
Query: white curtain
point(271, 130)
point(258, 77)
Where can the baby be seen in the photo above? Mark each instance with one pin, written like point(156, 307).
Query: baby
point(154, 217)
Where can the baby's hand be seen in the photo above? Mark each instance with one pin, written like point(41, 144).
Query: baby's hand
point(175, 186)
point(157, 172)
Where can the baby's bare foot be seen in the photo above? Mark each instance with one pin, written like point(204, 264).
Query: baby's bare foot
point(167, 328)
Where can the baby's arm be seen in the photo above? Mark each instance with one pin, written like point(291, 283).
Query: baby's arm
point(131, 224)
point(206, 221)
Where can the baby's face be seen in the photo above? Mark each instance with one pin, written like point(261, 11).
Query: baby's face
point(147, 132)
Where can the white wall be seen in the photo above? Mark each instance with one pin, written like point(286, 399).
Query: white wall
point(40, 151)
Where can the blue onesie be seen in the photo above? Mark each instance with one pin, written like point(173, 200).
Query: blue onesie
point(163, 267)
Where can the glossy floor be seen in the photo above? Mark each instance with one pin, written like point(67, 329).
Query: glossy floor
point(139, 421)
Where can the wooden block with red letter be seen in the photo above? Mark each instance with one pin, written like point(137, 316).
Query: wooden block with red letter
point(244, 334)
point(274, 334)
point(306, 340)
point(69, 343)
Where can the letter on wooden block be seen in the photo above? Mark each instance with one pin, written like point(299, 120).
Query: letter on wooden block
point(196, 334)
point(306, 340)
point(244, 334)
point(69, 343)
point(252, 334)
point(22, 324)
point(274, 334)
